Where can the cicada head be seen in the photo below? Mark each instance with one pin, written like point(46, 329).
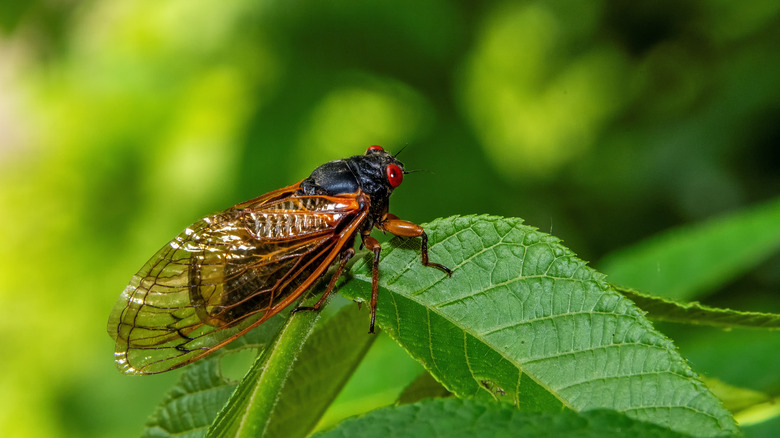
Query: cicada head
point(376, 173)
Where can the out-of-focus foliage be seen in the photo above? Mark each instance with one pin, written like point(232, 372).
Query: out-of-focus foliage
point(122, 122)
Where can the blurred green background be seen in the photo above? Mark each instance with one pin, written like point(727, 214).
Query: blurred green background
point(122, 122)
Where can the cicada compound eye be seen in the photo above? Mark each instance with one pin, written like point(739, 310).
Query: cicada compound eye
point(395, 175)
point(375, 148)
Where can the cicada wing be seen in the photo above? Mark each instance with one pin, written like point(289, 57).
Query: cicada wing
point(224, 275)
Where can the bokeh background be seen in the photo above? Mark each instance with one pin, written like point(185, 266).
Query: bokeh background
point(121, 122)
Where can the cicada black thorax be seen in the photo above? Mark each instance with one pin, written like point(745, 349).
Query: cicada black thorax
point(358, 174)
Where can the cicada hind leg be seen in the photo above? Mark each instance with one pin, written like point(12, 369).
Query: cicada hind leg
point(401, 228)
point(345, 256)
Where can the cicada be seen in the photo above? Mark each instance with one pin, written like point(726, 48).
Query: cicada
point(232, 271)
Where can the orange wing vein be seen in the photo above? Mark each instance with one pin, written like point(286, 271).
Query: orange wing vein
point(226, 274)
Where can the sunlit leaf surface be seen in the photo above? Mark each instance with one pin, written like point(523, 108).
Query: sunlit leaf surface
point(523, 320)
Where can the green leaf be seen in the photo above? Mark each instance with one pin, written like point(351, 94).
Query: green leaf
point(737, 399)
point(325, 363)
point(377, 382)
point(687, 262)
point(192, 405)
point(696, 313)
point(523, 318)
point(750, 407)
point(425, 386)
point(249, 409)
point(761, 413)
point(289, 388)
point(452, 418)
point(765, 429)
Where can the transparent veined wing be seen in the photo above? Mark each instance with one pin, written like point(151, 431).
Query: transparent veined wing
point(227, 273)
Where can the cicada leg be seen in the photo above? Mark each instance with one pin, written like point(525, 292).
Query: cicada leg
point(345, 256)
point(404, 228)
point(373, 245)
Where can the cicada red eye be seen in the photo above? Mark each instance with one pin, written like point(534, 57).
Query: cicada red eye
point(395, 175)
point(375, 148)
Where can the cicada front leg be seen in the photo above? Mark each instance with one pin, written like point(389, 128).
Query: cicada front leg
point(402, 228)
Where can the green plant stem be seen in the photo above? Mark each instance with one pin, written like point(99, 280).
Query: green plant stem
point(247, 415)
